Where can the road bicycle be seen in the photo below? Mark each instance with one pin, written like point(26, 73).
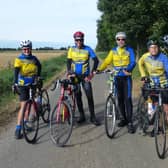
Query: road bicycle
point(159, 117)
point(112, 114)
point(37, 105)
point(62, 116)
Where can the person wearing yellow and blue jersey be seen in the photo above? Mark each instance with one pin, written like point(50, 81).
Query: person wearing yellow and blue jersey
point(122, 59)
point(78, 63)
point(154, 64)
point(26, 69)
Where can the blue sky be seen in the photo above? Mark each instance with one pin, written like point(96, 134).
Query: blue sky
point(48, 20)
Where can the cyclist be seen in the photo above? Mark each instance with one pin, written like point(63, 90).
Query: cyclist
point(122, 59)
point(78, 63)
point(26, 68)
point(154, 64)
point(164, 47)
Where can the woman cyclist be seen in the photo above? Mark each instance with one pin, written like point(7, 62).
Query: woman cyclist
point(26, 68)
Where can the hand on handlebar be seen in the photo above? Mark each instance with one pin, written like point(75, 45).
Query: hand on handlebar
point(14, 88)
point(127, 73)
point(89, 78)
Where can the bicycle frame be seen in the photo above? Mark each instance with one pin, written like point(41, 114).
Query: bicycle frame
point(70, 93)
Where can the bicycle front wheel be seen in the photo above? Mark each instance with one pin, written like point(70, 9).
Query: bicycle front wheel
point(142, 114)
point(160, 133)
point(110, 117)
point(30, 122)
point(45, 111)
point(61, 124)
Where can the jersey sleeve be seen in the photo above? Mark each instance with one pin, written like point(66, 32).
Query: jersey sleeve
point(91, 53)
point(69, 56)
point(108, 60)
point(132, 63)
point(17, 63)
point(165, 64)
point(141, 65)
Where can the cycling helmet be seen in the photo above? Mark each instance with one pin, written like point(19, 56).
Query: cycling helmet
point(26, 44)
point(121, 34)
point(165, 40)
point(78, 35)
point(152, 42)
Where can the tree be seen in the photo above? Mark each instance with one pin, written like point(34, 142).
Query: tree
point(140, 19)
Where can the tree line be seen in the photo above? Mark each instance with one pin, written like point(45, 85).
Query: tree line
point(140, 19)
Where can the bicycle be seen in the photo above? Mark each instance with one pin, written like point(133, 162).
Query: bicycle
point(62, 116)
point(112, 114)
point(37, 105)
point(160, 125)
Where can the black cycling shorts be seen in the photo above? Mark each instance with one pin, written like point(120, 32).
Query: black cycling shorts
point(24, 93)
point(155, 98)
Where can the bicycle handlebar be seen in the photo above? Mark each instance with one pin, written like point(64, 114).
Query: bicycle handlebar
point(65, 82)
point(113, 72)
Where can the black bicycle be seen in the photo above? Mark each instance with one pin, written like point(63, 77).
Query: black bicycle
point(159, 117)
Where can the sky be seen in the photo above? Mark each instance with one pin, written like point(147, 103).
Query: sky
point(48, 20)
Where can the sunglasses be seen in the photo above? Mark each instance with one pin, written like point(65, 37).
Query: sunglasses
point(120, 39)
point(26, 49)
point(81, 40)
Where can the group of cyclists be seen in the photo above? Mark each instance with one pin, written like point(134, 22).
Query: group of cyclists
point(122, 60)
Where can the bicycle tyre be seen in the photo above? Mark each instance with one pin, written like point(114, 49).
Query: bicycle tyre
point(110, 116)
point(45, 111)
point(61, 130)
point(142, 113)
point(30, 122)
point(160, 132)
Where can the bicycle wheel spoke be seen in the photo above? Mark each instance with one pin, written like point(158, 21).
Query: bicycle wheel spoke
point(61, 126)
point(143, 121)
point(160, 133)
point(30, 122)
point(110, 117)
point(45, 111)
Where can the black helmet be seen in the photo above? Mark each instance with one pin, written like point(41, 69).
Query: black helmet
point(152, 42)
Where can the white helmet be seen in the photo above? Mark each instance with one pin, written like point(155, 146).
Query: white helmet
point(165, 40)
point(121, 34)
point(26, 43)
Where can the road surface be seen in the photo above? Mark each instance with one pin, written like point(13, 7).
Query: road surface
point(89, 147)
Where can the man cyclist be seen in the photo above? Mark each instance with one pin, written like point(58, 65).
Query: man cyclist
point(78, 63)
point(164, 47)
point(122, 59)
point(154, 64)
point(26, 68)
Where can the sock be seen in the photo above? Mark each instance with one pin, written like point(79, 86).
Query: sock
point(18, 127)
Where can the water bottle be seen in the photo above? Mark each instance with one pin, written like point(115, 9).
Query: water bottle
point(150, 108)
point(38, 101)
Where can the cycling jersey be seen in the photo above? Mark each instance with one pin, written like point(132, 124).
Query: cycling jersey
point(154, 66)
point(29, 67)
point(80, 59)
point(121, 59)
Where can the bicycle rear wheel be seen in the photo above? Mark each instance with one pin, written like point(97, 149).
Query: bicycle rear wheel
point(30, 122)
point(61, 124)
point(45, 111)
point(110, 116)
point(160, 133)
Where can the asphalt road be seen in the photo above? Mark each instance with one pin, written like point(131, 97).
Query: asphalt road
point(89, 147)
